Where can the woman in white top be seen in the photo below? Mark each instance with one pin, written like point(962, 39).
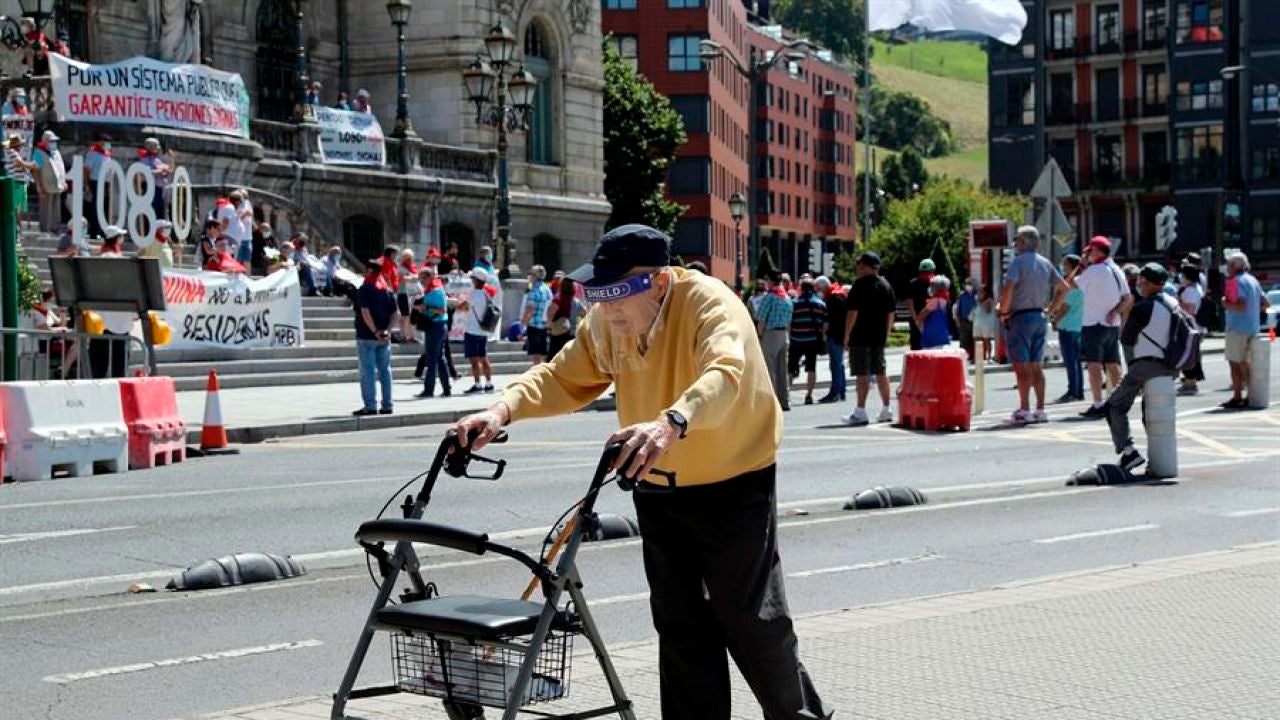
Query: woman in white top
point(1190, 295)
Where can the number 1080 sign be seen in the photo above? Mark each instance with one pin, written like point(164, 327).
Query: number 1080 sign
point(126, 199)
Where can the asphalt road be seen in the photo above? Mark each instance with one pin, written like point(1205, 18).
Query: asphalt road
point(998, 513)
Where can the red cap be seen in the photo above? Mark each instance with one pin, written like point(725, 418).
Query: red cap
point(1099, 243)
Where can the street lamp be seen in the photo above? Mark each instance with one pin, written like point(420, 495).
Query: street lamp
point(40, 11)
point(503, 95)
point(399, 10)
point(755, 72)
point(302, 110)
point(737, 208)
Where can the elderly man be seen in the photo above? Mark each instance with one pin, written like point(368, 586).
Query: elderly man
point(690, 377)
point(1031, 284)
point(1106, 301)
point(1244, 302)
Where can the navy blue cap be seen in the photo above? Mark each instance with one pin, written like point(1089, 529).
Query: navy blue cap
point(622, 249)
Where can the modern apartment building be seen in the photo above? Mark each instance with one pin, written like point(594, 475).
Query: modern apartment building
point(804, 174)
point(1137, 100)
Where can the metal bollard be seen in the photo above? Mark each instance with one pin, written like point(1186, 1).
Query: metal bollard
point(1160, 416)
point(1260, 374)
point(979, 383)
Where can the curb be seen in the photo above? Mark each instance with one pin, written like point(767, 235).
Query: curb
point(252, 435)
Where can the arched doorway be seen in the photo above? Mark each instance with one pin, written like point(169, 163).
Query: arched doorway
point(455, 233)
point(363, 236)
point(277, 59)
point(546, 252)
point(540, 60)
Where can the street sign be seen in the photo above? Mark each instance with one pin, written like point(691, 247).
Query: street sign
point(984, 234)
point(1051, 184)
point(1053, 222)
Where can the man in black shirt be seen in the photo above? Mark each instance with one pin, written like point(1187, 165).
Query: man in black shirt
point(836, 309)
point(918, 293)
point(375, 306)
point(871, 308)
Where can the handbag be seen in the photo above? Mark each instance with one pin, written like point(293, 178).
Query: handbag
point(558, 327)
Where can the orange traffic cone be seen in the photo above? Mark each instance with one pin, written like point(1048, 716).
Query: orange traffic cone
point(213, 435)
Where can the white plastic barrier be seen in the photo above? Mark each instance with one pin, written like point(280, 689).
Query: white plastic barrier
point(1260, 374)
point(1160, 415)
point(64, 424)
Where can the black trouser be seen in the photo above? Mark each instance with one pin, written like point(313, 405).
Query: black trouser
point(722, 537)
point(106, 356)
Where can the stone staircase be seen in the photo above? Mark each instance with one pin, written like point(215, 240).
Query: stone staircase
point(329, 355)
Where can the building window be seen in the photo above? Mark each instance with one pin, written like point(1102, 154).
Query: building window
point(619, 4)
point(1155, 90)
point(1155, 157)
point(538, 60)
point(1266, 98)
point(277, 60)
point(682, 4)
point(628, 47)
point(1266, 164)
point(1155, 24)
point(1110, 162)
point(693, 110)
point(1062, 31)
point(1200, 153)
point(682, 53)
point(1199, 21)
point(1266, 233)
point(690, 176)
point(1064, 151)
point(1108, 94)
point(1020, 103)
point(1108, 28)
point(1204, 95)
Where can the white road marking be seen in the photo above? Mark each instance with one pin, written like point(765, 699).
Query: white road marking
point(872, 514)
point(1095, 533)
point(51, 534)
point(864, 566)
point(66, 678)
point(618, 599)
point(1252, 513)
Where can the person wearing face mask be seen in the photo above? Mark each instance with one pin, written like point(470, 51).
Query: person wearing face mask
point(51, 181)
point(689, 373)
point(962, 313)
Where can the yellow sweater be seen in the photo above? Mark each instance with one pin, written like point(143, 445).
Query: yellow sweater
point(705, 363)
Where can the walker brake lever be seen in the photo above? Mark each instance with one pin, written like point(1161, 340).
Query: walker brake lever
point(456, 463)
point(647, 487)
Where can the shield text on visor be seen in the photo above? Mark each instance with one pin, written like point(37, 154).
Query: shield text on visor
point(619, 290)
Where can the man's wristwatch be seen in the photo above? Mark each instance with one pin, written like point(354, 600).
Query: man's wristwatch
point(678, 421)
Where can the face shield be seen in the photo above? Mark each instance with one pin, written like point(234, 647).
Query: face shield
point(624, 319)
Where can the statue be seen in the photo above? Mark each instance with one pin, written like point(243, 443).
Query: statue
point(174, 30)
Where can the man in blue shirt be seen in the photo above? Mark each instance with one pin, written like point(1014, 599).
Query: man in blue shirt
point(534, 320)
point(375, 306)
point(434, 307)
point(963, 315)
point(1030, 285)
point(773, 322)
point(808, 335)
point(1244, 302)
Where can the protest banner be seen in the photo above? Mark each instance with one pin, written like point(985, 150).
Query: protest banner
point(24, 125)
point(210, 309)
point(142, 91)
point(350, 138)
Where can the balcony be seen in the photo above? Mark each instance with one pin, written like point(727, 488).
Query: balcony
point(1150, 110)
point(1156, 174)
point(1060, 53)
point(1062, 113)
point(1109, 46)
point(1108, 111)
point(1156, 38)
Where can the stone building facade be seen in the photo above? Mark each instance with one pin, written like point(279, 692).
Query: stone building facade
point(448, 195)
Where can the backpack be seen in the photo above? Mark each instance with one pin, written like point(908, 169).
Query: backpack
point(1207, 314)
point(1183, 350)
point(489, 321)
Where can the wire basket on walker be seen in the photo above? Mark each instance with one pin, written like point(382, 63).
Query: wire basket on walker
point(475, 651)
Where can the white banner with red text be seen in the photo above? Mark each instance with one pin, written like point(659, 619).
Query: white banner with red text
point(142, 91)
point(211, 309)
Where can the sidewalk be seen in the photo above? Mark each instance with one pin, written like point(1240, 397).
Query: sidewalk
point(256, 414)
point(1191, 637)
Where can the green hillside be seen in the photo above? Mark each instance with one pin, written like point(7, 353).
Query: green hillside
point(943, 58)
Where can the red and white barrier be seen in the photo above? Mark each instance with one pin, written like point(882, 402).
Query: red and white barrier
point(157, 434)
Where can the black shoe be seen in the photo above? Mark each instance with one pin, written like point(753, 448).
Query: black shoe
point(474, 390)
point(808, 399)
point(425, 394)
point(365, 412)
point(1095, 411)
point(1235, 404)
point(828, 399)
point(1066, 398)
point(446, 394)
point(1132, 460)
point(384, 411)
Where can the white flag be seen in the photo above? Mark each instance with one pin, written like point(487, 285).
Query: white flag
point(1003, 20)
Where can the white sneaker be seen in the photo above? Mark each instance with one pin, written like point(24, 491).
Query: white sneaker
point(1018, 418)
point(885, 416)
point(1040, 416)
point(857, 418)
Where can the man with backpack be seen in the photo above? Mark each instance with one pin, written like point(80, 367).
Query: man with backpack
point(1164, 339)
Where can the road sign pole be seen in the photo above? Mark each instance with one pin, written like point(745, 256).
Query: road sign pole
point(9, 274)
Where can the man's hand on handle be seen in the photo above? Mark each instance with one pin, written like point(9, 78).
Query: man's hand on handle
point(642, 446)
point(485, 425)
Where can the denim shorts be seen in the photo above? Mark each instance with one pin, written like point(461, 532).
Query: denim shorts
point(1024, 337)
point(1100, 344)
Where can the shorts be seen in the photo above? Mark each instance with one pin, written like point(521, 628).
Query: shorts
point(1024, 336)
point(475, 346)
point(866, 360)
point(1100, 344)
point(1239, 347)
point(402, 302)
point(803, 350)
point(536, 341)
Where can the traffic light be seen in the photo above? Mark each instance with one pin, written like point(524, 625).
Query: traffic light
point(1166, 227)
point(815, 256)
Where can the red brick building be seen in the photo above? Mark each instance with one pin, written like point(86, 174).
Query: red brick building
point(806, 192)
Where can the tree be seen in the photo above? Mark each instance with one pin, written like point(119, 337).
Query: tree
point(28, 283)
point(642, 133)
point(837, 25)
point(900, 120)
point(905, 175)
point(935, 224)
